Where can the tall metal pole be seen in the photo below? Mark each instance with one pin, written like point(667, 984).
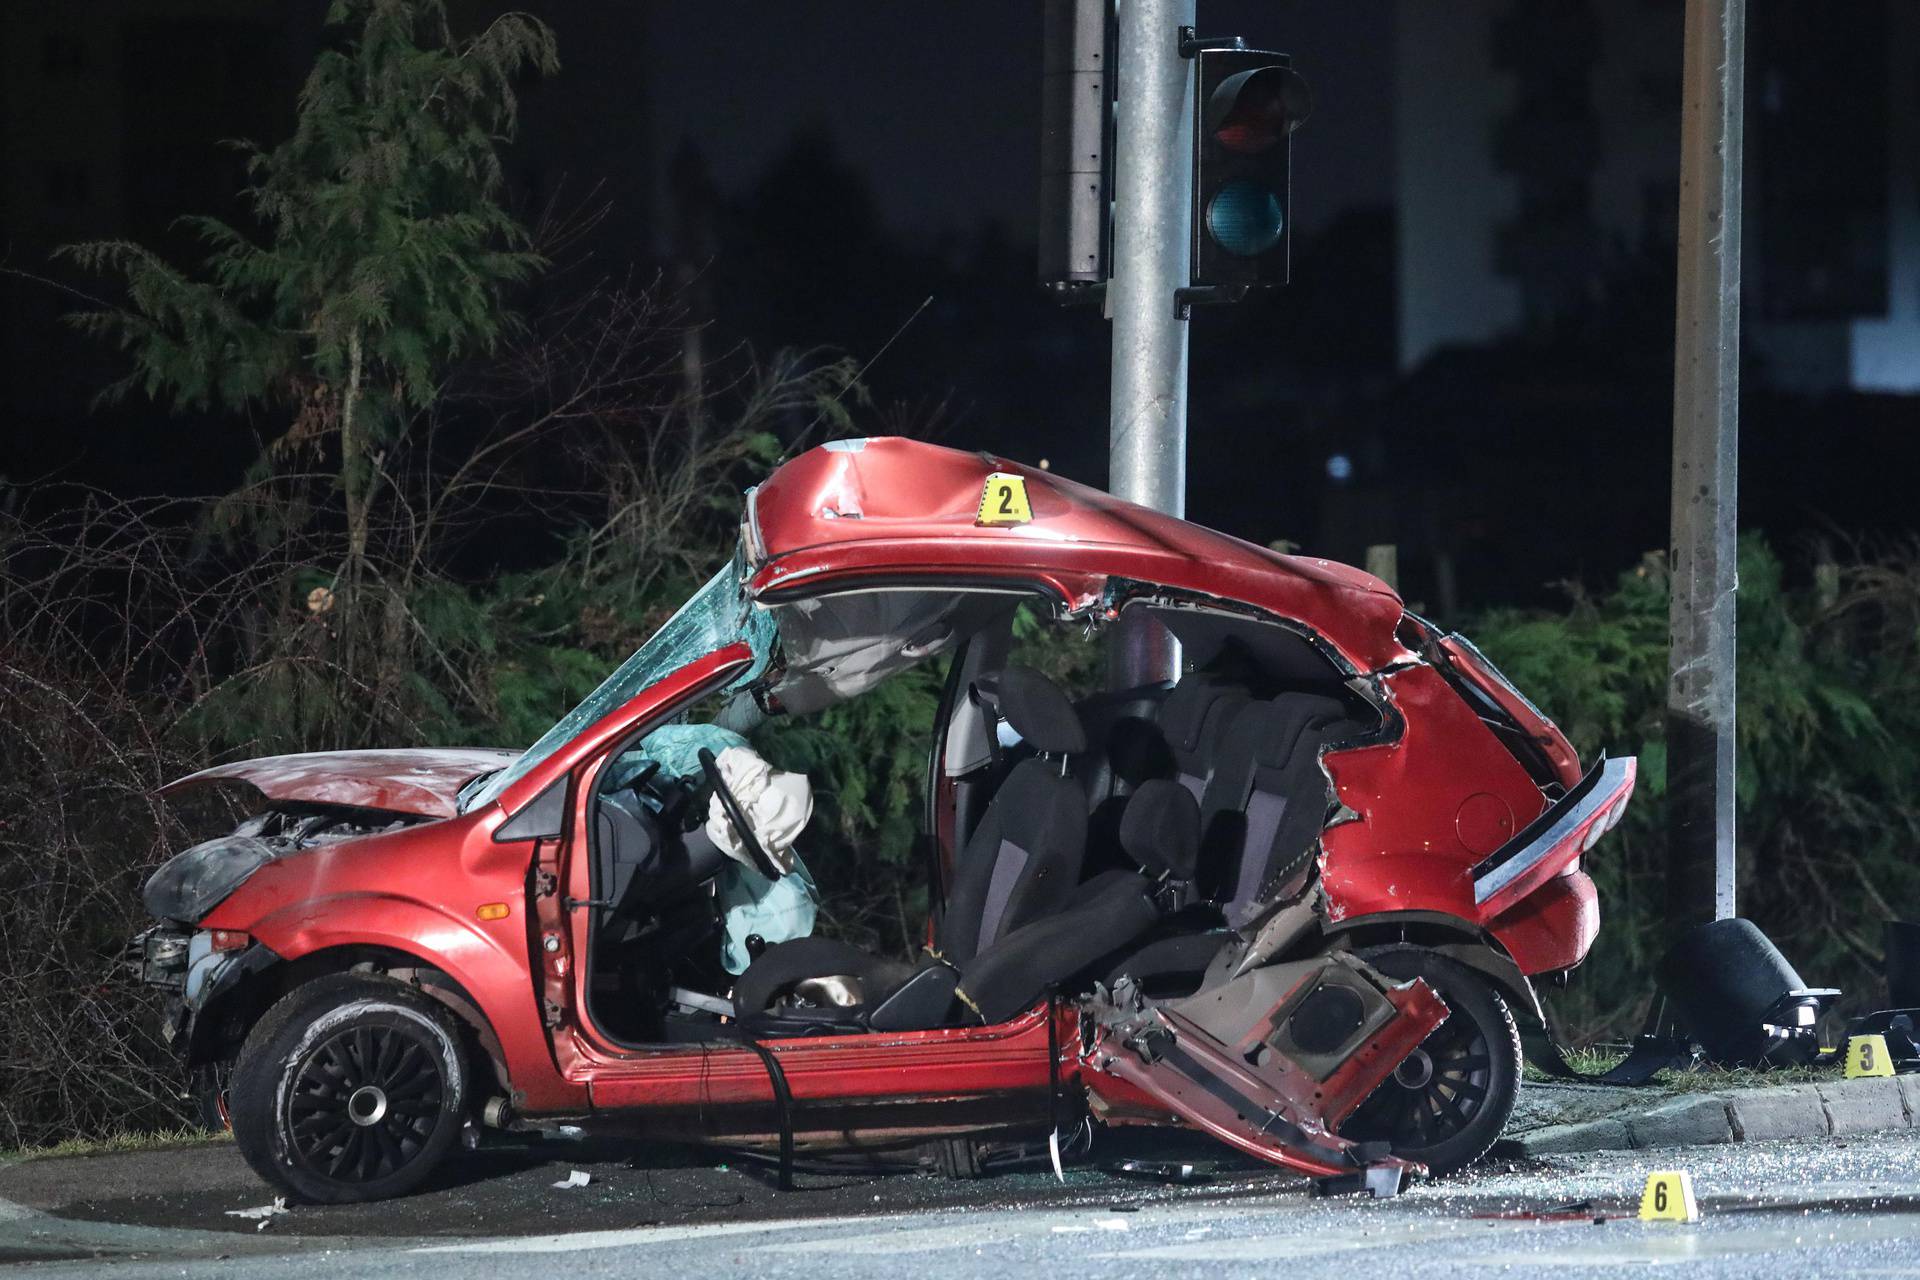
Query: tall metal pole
point(1152, 214)
point(1706, 418)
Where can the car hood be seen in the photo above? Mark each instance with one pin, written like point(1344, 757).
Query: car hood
point(424, 782)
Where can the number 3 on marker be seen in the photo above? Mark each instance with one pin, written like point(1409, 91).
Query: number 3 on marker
point(1867, 1056)
point(1003, 500)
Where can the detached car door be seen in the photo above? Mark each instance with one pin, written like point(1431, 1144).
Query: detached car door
point(1270, 1061)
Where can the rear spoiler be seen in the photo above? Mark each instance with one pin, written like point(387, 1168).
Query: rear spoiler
point(1552, 841)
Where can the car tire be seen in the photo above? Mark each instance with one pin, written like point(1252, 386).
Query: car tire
point(351, 1088)
point(1446, 1105)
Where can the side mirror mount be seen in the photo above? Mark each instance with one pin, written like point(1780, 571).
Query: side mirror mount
point(540, 819)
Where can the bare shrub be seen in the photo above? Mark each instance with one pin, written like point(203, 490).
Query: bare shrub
point(523, 532)
point(80, 757)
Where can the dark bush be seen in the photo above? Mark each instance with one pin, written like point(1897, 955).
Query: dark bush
point(1829, 745)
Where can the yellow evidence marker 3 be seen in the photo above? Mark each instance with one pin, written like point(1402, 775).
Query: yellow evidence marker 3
point(1868, 1056)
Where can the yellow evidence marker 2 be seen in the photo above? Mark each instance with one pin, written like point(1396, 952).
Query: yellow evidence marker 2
point(1669, 1198)
point(1868, 1056)
point(1004, 500)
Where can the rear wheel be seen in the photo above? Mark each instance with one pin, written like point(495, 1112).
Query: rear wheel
point(351, 1088)
point(1447, 1103)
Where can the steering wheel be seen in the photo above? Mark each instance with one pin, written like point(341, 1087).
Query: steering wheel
point(738, 817)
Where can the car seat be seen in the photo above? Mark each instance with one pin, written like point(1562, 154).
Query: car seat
point(1266, 802)
point(1021, 862)
point(1160, 831)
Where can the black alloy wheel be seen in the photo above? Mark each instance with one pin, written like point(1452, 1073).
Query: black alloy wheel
point(1446, 1104)
point(364, 1103)
point(351, 1088)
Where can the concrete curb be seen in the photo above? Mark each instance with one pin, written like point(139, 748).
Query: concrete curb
point(1827, 1109)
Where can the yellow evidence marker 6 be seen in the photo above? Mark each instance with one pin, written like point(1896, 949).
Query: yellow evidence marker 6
point(1004, 500)
point(1669, 1198)
point(1868, 1056)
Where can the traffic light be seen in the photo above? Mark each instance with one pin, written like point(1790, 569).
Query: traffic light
point(1247, 105)
point(1076, 124)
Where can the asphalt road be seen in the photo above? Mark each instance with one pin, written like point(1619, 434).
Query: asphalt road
point(1847, 1208)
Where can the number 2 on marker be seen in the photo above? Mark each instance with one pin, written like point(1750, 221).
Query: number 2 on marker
point(1003, 500)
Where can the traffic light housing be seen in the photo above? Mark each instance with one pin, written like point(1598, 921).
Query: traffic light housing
point(1076, 155)
point(1247, 103)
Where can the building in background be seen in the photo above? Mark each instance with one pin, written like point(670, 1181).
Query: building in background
point(1835, 284)
point(1537, 149)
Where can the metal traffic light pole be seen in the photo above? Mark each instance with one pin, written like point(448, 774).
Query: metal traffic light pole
point(1706, 433)
point(1152, 234)
point(1153, 157)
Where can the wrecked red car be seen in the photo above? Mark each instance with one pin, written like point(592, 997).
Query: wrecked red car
point(1292, 899)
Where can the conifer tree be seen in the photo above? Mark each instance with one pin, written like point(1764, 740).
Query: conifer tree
point(377, 256)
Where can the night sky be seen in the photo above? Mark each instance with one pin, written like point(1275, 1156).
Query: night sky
point(961, 145)
point(869, 155)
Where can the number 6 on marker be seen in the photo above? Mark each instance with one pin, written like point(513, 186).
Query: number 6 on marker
point(1669, 1198)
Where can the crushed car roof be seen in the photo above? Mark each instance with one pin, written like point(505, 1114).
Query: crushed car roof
point(887, 505)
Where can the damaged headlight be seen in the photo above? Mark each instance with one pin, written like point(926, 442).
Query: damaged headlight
point(195, 881)
point(190, 884)
point(159, 956)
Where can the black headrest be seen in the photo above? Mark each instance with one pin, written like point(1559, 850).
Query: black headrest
point(1187, 714)
point(1271, 731)
point(1160, 829)
point(1036, 708)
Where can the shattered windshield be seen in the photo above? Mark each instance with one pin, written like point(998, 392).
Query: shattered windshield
point(718, 615)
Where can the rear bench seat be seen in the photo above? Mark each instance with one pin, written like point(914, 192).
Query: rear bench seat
point(1153, 731)
point(1254, 765)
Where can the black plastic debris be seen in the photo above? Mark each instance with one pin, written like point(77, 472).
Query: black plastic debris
point(1170, 1171)
point(1900, 1028)
point(1740, 999)
point(1652, 1052)
point(1380, 1181)
point(1899, 1023)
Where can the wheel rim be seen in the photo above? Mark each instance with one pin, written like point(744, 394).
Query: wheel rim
point(364, 1103)
point(1433, 1095)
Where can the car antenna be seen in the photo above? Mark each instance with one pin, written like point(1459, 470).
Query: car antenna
point(855, 380)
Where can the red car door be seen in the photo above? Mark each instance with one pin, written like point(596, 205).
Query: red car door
point(1270, 1062)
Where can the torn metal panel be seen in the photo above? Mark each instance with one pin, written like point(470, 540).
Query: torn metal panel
point(1445, 764)
point(1271, 1062)
point(918, 503)
point(423, 782)
point(1281, 931)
